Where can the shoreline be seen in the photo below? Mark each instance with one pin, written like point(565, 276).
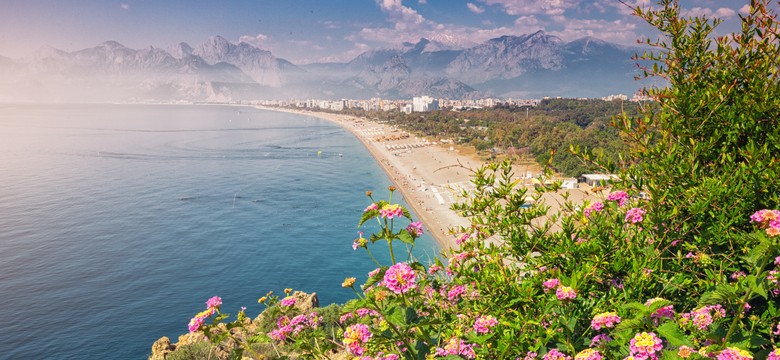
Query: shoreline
point(429, 175)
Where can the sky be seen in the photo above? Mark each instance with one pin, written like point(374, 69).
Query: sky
point(305, 31)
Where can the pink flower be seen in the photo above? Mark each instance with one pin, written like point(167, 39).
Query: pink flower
point(606, 320)
point(774, 355)
point(214, 302)
point(373, 206)
point(551, 284)
point(619, 196)
point(345, 317)
point(195, 324)
point(400, 278)
point(462, 238)
point(554, 354)
point(456, 292)
point(599, 339)
point(588, 354)
point(685, 352)
point(664, 312)
point(635, 215)
point(415, 228)
point(355, 337)
point(390, 211)
point(595, 207)
point(457, 346)
point(433, 269)
point(565, 292)
point(288, 301)
point(704, 316)
point(484, 324)
point(733, 353)
point(645, 346)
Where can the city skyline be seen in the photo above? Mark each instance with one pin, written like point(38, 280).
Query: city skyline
point(305, 31)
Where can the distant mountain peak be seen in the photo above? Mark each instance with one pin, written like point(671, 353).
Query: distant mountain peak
point(111, 44)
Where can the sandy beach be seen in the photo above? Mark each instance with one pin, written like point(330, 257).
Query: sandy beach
point(429, 174)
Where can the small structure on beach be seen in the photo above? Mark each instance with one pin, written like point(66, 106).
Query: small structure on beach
point(597, 179)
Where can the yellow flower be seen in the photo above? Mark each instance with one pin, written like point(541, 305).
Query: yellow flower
point(287, 290)
point(262, 300)
point(348, 282)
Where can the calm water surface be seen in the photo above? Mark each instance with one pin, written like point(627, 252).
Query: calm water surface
point(117, 222)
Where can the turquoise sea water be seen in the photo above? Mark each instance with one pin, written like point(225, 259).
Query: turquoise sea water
point(117, 222)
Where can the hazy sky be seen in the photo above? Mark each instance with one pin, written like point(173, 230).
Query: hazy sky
point(317, 30)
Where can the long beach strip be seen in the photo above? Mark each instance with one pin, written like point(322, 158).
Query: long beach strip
point(430, 175)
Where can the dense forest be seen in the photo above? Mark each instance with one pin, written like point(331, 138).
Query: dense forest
point(544, 131)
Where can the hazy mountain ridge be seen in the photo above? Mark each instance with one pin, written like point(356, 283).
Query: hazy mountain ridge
point(530, 65)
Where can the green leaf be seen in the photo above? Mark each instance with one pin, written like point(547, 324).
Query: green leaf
point(376, 278)
point(406, 237)
point(723, 294)
point(671, 332)
point(368, 215)
point(396, 316)
point(259, 338)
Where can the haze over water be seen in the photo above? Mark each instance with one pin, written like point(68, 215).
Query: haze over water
point(117, 222)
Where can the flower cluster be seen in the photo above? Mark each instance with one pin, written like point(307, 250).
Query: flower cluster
point(600, 339)
point(645, 346)
point(415, 228)
point(703, 316)
point(635, 215)
point(595, 207)
point(606, 320)
point(554, 354)
point(664, 312)
point(391, 210)
point(620, 196)
point(774, 355)
point(288, 301)
point(457, 346)
point(768, 220)
point(400, 278)
point(565, 293)
point(588, 354)
point(685, 352)
point(551, 284)
point(355, 337)
point(733, 353)
point(212, 307)
point(360, 242)
point(484, 324)
point(286, 327)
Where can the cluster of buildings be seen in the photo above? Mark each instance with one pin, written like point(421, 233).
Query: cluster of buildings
point(417, 103)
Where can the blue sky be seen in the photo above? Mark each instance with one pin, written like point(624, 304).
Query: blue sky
point(321, 30)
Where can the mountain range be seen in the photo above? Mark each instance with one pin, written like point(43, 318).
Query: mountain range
point(527, 66)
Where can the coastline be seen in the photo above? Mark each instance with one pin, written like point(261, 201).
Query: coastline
point(429, 175)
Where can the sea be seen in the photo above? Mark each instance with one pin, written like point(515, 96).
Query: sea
point(118, 222)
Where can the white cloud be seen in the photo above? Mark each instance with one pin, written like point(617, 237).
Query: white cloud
point(617, 31)
point(530, 7)
point(422, 2)
point(474, 8)
point(124, 6)
point(626, 7)
point(745, 9)
point(725, 13)
point(722, 13)
point(256, 40)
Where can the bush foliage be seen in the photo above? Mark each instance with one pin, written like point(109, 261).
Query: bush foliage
point(679, 259)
